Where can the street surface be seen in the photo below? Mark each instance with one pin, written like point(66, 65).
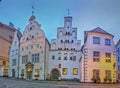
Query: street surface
point(19, 83)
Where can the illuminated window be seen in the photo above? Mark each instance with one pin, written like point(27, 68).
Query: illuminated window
point(107, 42)
point(107, 74)
point(64, 71)
point(96, 40)
point(96, 56)
point(75, 71)
point(108, 57)
point(36, 74)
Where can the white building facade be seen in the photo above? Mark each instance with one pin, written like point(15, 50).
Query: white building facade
point(34, 51)
point(64, 53)
point(118, 58)
point(14, 55)
point(98, 62)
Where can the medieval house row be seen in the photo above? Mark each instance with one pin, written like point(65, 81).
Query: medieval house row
point(33, 57)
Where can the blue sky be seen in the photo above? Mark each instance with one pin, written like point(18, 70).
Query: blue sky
point(87, 15)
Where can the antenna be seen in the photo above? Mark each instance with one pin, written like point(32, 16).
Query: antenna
point(33, 7)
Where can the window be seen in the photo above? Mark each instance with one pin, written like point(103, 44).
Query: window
point(22, 49)
point(59, 48)
point(35, 58)
point(24, 59)
point(96, 40)
point(12, 52)
point(61, 41)
point(22, 71)
point(27, 39)
point(65, 58)
point(59, 58)
point(71, 58)
point(4, 62)
point(107, 74)
point(74, 58)
point(16, 51)
point(108, 57)
point(13, 62)
point(118, 67)
point(75, 71)
point(31, 46)
point(64, 71)
point(96, 74)
point(53, 57)
point(118, 59)
point(11, 38)
point(37, 45)
point(107, 42)
point(36, 73)
point(30, 28)
point(96, 56)
point(72, 41)
point(32, 37)
point(59, 65)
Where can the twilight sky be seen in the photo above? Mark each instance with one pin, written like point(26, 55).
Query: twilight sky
point(87, 15)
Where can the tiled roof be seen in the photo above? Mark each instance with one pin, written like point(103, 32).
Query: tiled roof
point(100, 30)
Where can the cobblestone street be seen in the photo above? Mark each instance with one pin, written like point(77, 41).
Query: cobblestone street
point(18, 83)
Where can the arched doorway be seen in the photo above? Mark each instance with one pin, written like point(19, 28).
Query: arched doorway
point(29, 73)
point(29, 70)
point(55, 74)
point(13, 72)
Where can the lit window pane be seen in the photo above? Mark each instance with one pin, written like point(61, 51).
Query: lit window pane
point(64, 71)
point(75, 71)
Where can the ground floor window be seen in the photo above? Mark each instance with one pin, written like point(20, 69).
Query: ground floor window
point(64, 71)
point(36, 74)
point(107, 74)
point(96, 73)
point(75, 71)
